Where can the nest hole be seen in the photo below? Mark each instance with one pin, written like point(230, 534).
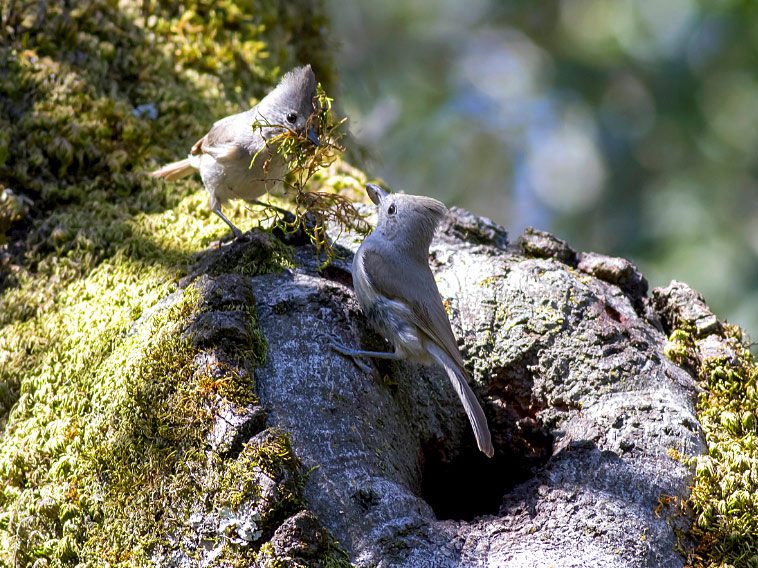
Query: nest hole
point(461, 483)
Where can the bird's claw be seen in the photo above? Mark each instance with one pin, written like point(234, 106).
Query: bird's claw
point(338, 347)
point(356, 359)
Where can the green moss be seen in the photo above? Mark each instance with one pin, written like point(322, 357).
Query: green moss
point(335, 558)
point(268, 459)
point(119, 446)
point(145, 438)
point(724, 497)
point(259, 253)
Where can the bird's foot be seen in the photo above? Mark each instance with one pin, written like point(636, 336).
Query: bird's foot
point(230, 239)
point(235, 231)
point(354, 356)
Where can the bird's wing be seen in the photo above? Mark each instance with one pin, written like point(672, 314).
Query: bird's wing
point(221, 141)
point(413, 284)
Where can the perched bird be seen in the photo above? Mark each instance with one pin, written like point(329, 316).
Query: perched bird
point(397, 292)
point(235, 158)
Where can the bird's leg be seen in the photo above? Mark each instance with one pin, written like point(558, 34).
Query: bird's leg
point(235, 230)
point(355, 355)
point(359, 353)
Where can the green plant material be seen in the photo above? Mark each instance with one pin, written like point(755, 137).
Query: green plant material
point(261, 252)
point(336, 557)
point(272, 458)
point(144, 440)
point(12, 208)
point(124, 430)
point(316, 206)
point(724, 497)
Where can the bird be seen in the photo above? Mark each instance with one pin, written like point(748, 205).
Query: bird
point(397, 292)
point(236, 158)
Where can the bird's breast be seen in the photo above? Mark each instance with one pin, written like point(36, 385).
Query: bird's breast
point(236, 179)
point(392, 318)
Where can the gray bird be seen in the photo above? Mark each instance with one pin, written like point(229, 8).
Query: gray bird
point(224, 155)
point(397, 292)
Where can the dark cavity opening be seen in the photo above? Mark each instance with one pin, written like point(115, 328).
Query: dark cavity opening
point(461, 483)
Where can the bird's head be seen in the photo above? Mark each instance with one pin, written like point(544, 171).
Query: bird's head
point(292, 102)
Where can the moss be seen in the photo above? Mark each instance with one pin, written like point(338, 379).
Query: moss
point(146, 437)
point(325, 204)
point(13, 208)
point(104, 422)
point(266, 480)
point(267, 557)
point(724, 497)
point(257, 253)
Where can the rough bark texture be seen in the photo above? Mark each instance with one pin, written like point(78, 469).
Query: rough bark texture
point(590, 420)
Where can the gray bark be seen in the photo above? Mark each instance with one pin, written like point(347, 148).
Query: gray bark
point(591, 422)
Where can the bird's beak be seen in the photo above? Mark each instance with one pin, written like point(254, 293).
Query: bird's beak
point(313, 137)
point(376, 193)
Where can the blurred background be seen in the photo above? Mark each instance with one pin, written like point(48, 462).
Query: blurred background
point(627, 127)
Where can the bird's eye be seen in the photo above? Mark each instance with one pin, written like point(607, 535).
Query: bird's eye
point(392, 209)
point(292, 117)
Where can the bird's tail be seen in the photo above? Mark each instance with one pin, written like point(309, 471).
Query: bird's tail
point(174, 170)
point(473, 410)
